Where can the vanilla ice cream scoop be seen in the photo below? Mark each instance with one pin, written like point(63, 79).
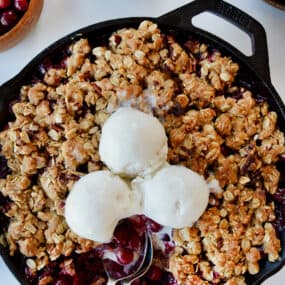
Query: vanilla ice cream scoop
point(97, 202)
point(133, 143)
point(175, 196)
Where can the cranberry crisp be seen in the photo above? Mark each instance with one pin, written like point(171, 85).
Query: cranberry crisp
point(214, 126)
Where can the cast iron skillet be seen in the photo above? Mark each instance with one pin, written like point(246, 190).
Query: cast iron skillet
point(254, 74)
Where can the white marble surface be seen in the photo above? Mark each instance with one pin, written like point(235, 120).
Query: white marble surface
point(60, 17)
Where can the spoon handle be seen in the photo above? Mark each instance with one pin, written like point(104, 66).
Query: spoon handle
point(146, 265)
point(111, 282)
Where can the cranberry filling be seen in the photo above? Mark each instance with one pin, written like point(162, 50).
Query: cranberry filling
point(121, 257)
point(4, 201)
point(4, 169)
point(4, 207)
point(11, 11)
point(279, 200)
point(124, 253)
point(279, 197)
point(88, 270)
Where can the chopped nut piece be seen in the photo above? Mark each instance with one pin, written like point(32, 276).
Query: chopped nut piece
point(271, 243)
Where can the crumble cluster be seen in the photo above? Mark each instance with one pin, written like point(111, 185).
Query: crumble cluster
point(214, 127)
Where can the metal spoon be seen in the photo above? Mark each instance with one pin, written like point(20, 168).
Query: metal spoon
point(141, 269)
point(145, 266)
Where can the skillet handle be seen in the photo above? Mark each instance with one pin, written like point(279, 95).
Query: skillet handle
point(182, 17)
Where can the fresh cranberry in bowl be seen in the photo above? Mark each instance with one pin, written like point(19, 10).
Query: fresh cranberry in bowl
point(21, 5)
point(16, 19)
point(11, 12)
point(9, 18)
point(5, 4)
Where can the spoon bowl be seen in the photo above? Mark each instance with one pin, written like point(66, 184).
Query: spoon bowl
point(140, 270)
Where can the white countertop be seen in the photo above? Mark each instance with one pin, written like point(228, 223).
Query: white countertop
point(60, 17)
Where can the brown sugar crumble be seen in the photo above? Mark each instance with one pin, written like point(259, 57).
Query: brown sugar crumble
point(55, 136)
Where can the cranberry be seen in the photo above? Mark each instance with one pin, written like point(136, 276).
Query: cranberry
point(126, 236)
point(115, 270)
point(225, 150)
point(153, 226)
point(124, 256)
point(169, 246)
point(154, 273)
point(3, 30)
point(21, 5)
point(121, 235)
point(166, 237)
point(64, 280)
point(177, 109)
point(135, 242)
point(279, 196)
point(9, 18)
point(260, 99)
point(31, 276)
point(237, 95)
point(89, 268)
point(79, 279)
point(5, 4)
point(139, 222)
point(198, 70)
point(282, 157)
point(137, 282)
point(117, 39)
point(170, 280)
point(45, 66)
point(76, 280)
point(63, 63)
point(216, 275)
point(142, 223)
point(4, 169)
point(212, 55)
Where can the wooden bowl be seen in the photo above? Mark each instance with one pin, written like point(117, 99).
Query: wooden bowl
point(277, 3)
point(19, 31)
